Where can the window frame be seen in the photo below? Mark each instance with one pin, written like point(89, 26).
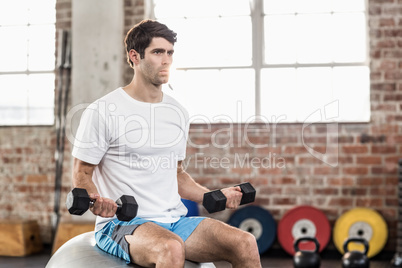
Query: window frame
point(258, 63)
point(28, 72)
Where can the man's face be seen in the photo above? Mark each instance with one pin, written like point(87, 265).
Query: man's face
point(158, 57)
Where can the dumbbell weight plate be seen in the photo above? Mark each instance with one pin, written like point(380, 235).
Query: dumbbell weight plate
point(78, 201)
point(248, 193)
point(258, 222)
point(127, 208)
point(303, 221)
point(361, 222)
point(214, 201)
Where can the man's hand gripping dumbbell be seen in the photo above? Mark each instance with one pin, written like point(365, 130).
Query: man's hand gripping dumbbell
point(215, 201)
point(78, 202)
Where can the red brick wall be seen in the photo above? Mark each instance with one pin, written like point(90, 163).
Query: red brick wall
point(366, 174)
point(276, 161)
point(27, 174)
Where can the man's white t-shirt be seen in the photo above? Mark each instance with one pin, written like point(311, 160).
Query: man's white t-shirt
point(136, 147)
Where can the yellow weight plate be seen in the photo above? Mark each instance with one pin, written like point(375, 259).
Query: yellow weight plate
point(363, 223)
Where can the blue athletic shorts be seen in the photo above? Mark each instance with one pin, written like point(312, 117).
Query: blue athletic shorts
point(111, 238)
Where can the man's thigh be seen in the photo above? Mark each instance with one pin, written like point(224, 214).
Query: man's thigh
point(213, 240)
point(146, 240)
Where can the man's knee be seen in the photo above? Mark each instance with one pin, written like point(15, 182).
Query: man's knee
point(172, 251)
point(248, 246)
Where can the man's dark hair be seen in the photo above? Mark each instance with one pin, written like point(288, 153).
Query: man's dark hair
point(140, 36)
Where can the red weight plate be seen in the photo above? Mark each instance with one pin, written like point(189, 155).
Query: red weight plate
point(303, 221)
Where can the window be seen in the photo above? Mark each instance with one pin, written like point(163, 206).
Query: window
point(245, 60)
point(315, 54)
point(213, 57)
point(27, 60)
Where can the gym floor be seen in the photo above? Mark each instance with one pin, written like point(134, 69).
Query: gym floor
point(268, 261)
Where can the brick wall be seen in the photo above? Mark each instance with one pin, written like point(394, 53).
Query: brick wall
point(277, 161)
point(27, 174)
point(286, 174)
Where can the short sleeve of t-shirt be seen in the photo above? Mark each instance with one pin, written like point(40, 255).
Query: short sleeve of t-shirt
point(91, 141)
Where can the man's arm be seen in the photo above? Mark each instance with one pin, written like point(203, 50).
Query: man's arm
point(191, 190)
point(188, 188)
point(82, 178)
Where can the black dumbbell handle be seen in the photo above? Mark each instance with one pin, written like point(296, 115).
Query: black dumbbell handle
point(123, 212)
point(92, 203)
point(215, 201)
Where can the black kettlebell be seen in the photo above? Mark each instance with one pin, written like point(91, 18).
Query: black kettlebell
point(397, 260)
point(355, 258)
point(306, 258)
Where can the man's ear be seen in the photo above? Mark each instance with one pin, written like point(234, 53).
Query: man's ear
point(134, 56)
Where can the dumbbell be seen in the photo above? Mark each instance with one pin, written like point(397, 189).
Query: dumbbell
point(78, 202)
point(215, 201)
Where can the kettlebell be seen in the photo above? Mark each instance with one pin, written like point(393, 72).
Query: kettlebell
point(306, 258)
point(355, 258)
point(397, 260)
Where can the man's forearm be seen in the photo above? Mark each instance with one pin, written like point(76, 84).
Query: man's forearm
point(82, 176)
point(190, 189)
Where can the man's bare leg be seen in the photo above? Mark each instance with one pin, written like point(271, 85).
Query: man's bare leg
point(214, 240)
point(153, 246)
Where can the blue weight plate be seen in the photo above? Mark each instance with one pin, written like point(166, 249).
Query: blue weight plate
point(257, 221)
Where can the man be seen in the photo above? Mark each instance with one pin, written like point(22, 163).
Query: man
point(133, 141)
